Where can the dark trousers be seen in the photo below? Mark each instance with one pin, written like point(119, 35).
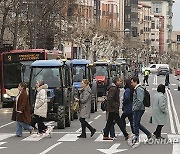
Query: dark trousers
point(145, 79)
point(85, 124)
point(130, 118)
point(111, 118)
point(158, 130)
point(137, 115)
point(112, 131)
point(39, 120)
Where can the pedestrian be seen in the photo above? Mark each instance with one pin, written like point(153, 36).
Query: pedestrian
point(127, 104)
point(167, 82)
point(146, 77)
point(159, 111)
point(40, 109)
point(136, 73)
point(113, 103)
point(138, 109)
point(85, 108)
point(21, 111)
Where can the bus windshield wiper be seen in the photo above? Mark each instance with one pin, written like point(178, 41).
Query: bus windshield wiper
point(38, 73)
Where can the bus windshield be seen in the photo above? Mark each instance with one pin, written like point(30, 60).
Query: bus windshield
point(101, 71)
point(50, 76)
point(79, 73)
point(15, 73)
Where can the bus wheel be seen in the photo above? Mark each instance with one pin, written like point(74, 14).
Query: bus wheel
point(61, 117)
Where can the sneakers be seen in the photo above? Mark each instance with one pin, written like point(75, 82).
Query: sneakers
point(134, 141)
point(127, 137)
point(93, 132)
point(31, 131)
point(49, 129)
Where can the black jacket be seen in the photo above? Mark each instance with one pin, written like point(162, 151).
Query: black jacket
point(113, 101)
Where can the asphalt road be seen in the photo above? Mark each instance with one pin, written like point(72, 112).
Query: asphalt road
point(66, 141)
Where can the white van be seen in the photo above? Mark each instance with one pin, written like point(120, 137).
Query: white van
point(153, 68)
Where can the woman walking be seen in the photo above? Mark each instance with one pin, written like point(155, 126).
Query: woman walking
point(40, 108)
point(21, 111)
point(127, 104)
point(85, 108)
point(159, 111)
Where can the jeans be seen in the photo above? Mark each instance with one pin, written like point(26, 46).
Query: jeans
point(137, 123)
point(85, 124)
point(20, 125)
point(112, 131)
point(111, 118)
point(130, 118)
point(39, 120)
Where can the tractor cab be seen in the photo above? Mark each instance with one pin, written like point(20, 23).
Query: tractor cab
point(56, 74)
point(102, 76)
point(82, 69)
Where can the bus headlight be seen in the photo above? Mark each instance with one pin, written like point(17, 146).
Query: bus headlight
point(6, 96)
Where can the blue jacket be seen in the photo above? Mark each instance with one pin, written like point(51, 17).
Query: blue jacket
point(127, 102)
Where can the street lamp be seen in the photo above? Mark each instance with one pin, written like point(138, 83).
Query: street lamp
point(87, 44)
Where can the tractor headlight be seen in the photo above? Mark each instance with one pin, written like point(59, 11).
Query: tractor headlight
point(6, 96)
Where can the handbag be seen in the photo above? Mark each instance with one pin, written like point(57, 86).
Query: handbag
point(104, 105)
point(75, 106)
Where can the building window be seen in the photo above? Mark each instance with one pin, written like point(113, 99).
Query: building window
point(127, 3)
point(153, 24)
point(157, 7)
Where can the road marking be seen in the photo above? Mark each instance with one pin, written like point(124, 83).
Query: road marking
point(7, 124)
point(170, 114)
point(175, 89)
point(50, 148)
point(100, 139)
point(69, 137)
point(175, 113)
point(176, 146)
point(128, 124)
point(173, 84)
point(155, 80)
point(154, 88)
point(97, 117)
point(4, 136)
point(81, 128)
point(1, 143)
point(33, 137)
point(112, 149)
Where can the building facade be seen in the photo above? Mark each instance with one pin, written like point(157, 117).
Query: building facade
point(163, 9)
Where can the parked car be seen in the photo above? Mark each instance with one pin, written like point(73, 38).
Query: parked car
point(177, 71)
point(162, 70)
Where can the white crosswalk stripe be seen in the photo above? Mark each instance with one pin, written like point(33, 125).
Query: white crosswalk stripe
point(69, 137)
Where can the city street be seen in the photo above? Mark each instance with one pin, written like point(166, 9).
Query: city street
point(66, 141)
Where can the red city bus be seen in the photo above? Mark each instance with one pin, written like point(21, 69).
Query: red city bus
point(15, 69)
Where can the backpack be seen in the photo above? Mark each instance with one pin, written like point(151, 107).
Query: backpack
point(146, 101)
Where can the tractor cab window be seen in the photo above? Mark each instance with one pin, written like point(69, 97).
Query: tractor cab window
point(79, 73)
point(101, 71)
point(50, 76)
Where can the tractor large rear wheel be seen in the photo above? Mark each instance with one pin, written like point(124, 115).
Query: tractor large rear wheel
point(68, 117)
point(61, 117)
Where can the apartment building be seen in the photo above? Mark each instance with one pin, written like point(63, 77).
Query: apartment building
point(163, 9)
point(176, 42)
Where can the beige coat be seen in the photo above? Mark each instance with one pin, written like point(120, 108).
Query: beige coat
point(40, 108)
point(85, 102)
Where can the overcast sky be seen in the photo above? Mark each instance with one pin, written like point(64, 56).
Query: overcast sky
point(176, 17)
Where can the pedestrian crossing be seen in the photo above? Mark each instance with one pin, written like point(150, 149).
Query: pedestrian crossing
point(72, 137)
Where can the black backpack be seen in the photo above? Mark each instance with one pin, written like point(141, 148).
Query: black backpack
point(147, 99)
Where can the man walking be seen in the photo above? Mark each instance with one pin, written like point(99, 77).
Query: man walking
point(138, 109)
point(113, 103)
point(146, 77)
